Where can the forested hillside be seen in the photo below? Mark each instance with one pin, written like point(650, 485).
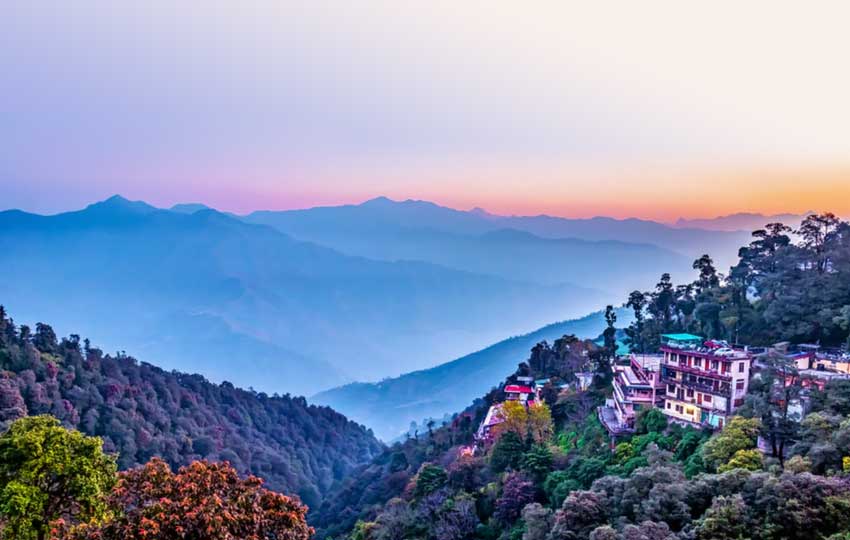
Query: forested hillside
point(141, 411)
point(780, 290)
point(663, 481)
point(389, 406)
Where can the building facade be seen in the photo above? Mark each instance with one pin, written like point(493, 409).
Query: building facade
point(637, 386)
point(704, 382)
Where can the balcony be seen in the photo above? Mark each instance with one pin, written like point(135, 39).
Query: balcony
point(699, 386)
point(695, 371)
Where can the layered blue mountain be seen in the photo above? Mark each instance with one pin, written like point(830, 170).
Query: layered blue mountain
point(201, 291)
point(743, 221)
point(612, 255)
point(389, 406)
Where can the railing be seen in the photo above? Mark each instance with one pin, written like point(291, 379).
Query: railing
point(702, 387)
point(696, 371)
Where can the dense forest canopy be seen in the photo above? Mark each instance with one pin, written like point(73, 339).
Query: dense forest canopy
point(780, 290)
point(141, 411)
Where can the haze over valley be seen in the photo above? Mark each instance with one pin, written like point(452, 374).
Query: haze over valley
point(299, 302)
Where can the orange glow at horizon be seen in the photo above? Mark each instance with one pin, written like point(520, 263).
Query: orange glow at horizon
point(658, 195)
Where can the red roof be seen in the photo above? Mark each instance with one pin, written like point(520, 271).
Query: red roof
point(517, 389)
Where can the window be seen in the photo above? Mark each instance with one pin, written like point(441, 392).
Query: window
point(740, 367)
point(706, 398)
point(698, 362)
point(668, 404)
point(739, 385)
point(714, 364)
point(690, 392)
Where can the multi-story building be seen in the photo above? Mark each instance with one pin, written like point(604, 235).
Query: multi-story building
point(704, 382)
point(637, 386)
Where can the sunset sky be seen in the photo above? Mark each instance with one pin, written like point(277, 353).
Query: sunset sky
point(647, 109)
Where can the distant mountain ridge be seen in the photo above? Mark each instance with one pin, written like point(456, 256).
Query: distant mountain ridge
point(613, 255)
point(743, 221)
point(205, 292)
point(389, 406)
point(414, 214)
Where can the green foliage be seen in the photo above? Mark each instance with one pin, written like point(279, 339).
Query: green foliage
point(141, 411)
point(48, 473)
point(558, 485)
point(750, 460)
point(429, 479)
point(537, 462)
point(738, 434)
point(650, 421)
point(725, 520)
point(507, 452)
point(778, 291)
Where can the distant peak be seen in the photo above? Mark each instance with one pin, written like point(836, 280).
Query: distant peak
point(189, 208)
point(378, 201)
point(119, 203)
point(478, 211)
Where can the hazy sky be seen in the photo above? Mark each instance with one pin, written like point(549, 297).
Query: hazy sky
point(652, 109)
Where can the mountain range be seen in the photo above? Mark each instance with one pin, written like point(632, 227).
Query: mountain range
point(742, 221)
point(303, 301)
point(610, 254)
point(205, 292)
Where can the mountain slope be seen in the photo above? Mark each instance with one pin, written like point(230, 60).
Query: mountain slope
point(389, 406)
point(142, 411)
point(591, 252)
point(204, 292)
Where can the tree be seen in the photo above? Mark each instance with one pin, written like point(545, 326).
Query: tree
point(770, 399)
point(609, 335)
point(540, 425)
point(708, 278)
point(49, 473)
point(517, 492)
point(650, 421)
point(749, 460)
point(739, 434)
point(816, 230)
point(515, 419)
point(430, 478)
point(662, 302)
point(507, 452)
point(636, 301)
point(538, 521)
point(537, 462)
point(202, 500)
point(581, 513)
point(726, 519)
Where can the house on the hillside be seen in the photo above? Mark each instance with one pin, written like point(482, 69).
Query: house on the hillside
point(637, 387)
point(704, 382)
point(523, 393)
point(516, 392)
point(494, 417)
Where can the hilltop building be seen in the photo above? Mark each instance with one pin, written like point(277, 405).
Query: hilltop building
point(704, 382)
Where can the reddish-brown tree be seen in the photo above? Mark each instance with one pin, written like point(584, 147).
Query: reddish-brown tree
point(202, 500)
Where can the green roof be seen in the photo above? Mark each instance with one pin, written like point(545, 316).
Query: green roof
point(681, 337)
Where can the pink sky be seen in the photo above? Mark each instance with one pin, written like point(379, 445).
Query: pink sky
point(664, 110)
